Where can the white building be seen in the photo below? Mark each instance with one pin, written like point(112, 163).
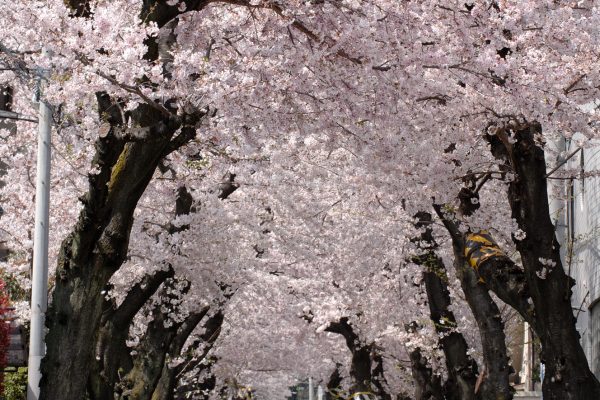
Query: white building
point(575, 208)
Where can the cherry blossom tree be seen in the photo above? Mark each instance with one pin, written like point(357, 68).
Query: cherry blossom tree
point(309, 134)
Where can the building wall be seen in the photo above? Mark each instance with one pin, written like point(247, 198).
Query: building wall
point(577, 220)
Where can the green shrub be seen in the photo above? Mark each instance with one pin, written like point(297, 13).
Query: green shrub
point(15, 385)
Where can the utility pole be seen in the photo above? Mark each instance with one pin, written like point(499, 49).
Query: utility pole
point(39, 275)
point(39, 279)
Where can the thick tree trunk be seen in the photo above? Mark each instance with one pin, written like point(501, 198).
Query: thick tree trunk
point(379, 380)
point(495, 383)
point(462, 369)
point(167, 386)
point(113, 358)
point(97, 246)
point(94, 251)
point(427, 384)
point(160, 337)
point(501, 275)
point(112, 355)
point(360, 368)
point(568, 376)
point(335, 381)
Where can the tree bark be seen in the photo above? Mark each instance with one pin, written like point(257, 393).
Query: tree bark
point(212, 330)
point(462, 369)
point(568, 376)
point(427, 385)
point(113, 358)
point(98, 244)
point(94, 251)
point(151, 353)
point(502, 276)
point(378, 375)
point(335, 381)
point(360, 368)
point(167, 382)
point(495, 383)
point(112, 355)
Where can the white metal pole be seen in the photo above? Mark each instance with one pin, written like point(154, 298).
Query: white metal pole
point(320, 392)
point(39, 280)
point(526, 370)
point(310, 389)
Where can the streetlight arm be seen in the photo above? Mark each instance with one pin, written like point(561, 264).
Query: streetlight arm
point(16, 116)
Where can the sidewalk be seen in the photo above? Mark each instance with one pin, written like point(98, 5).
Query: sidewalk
point(528, 395)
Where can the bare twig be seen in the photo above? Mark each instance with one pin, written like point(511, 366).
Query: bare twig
point(571, 87)
point(128, 88)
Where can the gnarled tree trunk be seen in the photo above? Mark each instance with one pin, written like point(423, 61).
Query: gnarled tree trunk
point(568, 376)
point(98, 244)
point(96, 249)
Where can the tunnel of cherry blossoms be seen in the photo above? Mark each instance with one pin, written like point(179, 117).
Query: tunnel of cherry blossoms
point(299, 200)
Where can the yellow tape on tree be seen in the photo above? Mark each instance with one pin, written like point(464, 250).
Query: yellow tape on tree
point(368, 394)
point(479, 247)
